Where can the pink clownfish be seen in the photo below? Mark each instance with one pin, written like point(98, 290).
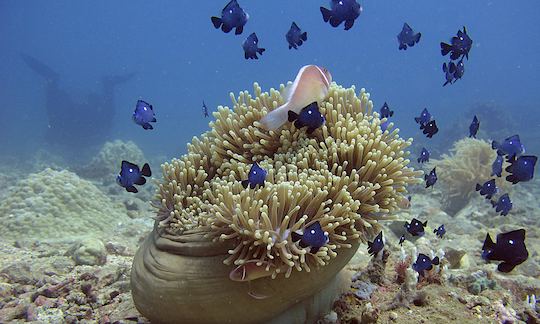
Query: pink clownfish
point(311, 84)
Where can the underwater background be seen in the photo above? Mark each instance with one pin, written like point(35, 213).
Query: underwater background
point(109, 54)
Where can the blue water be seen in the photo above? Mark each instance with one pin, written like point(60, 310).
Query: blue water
point(180, 60)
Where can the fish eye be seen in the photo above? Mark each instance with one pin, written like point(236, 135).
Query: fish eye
point(230, 11)
point(312, 232)
point(309, 112)
point(511, 241)
point(130, 170)
point(340, 3)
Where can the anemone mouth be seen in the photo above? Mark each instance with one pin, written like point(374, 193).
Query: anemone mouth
point(347, 175)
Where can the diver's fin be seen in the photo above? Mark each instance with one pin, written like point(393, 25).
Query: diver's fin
point(40, 68)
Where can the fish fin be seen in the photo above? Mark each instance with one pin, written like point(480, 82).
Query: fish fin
point(402, 46)
point(261, 50)
point(326, 14)
point(444, 67)
point(132, 189)
point(335, 21)
point(292, 116)
point(276, 118)
point(446, 83)
point(239, 30)
point(246, 56)
point(478, 187)
point(300, 42)
point(252, 185)
point(295, 236)
point(245, 183)
point(452, 67)
point(391, 113)
point(154, 120)
point(417, 119)
point(140, 181)
point(262, 185)
point(304, 36)
point(417, 37)
point(290, 46)
point(216, 21)
point(225, 28)
point(349, 23)
point(506, 267)
point(147, 126)
point(298, 124)
point(424, 223)
point(488, 243)
point(493, 203)
point(445, 48)
point(146, 170)
point(435, 260)
point(313, 250)
point(310, 130)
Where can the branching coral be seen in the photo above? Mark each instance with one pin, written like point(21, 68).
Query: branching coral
point(347, 175)
point(468, 164)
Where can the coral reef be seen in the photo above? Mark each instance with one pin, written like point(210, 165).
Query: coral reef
point(348, 175)
point(468, 164)
point(47, 201)
point(106, 164)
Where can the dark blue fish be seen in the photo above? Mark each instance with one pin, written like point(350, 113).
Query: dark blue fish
point(459, 46)
point(473, 128)
point(130, 175)
point(510, 248)
point(384, 125)
point(424, 117)
point(424, 156)
point(309, 116)
point(496, 167)
point(440, 231)
point(144, 114)
point(459, 70)
point(415, 227)
point(342, 11)
point(385, 111)
point(424, 263)
point(430, 178)
point(256, 176)
point(312, 236)
point(251, 47)
point(449, 71)
point(521, 169)
point(430, 128)
point(488, 189)
point(232, 16)
point(407, 37)
point(377, 245)
point(503, 205)
point(511, 146)
point(204, 109)
point(401, 240)
point(295, 37)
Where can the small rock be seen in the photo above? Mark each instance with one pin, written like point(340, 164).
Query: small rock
point(88, 251)
point(393, 316)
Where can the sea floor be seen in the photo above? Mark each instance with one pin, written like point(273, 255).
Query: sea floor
point(84, 278)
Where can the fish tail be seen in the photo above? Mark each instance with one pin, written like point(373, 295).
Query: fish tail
point(445, 48)
point(402, 46)
point(435, 260)
point(245, 183)
point(261, 50)
point(478, 187)
point(494, 145)
point(417, 38)
point(146, 170)
point(304, 36)
point(216, 21)
point(326, 14)
point(277, 117)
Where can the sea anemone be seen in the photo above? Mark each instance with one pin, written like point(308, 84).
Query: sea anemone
point(347, 176)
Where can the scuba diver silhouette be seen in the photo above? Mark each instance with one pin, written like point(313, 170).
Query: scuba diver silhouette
point(76, 125)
